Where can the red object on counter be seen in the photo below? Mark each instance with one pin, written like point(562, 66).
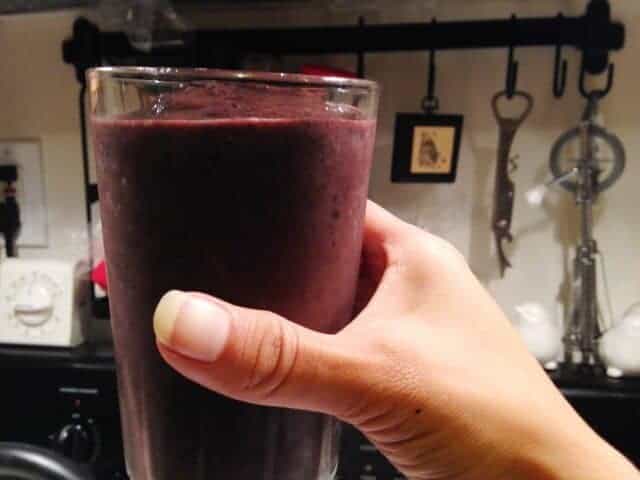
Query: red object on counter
point(325, 71)
point(99, 275)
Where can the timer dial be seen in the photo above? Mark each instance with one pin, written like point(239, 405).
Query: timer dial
point(32, 299)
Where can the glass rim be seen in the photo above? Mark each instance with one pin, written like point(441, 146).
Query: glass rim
point(180, 74)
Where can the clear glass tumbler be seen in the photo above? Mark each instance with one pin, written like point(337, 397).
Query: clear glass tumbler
point(248, 186)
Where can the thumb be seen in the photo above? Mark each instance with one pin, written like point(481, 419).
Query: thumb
point(255, 356)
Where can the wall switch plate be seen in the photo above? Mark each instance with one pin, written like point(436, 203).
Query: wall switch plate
point(27, 156)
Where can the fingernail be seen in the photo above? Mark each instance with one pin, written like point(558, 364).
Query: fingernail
point(192, 326)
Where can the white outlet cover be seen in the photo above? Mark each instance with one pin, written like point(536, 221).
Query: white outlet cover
point(27, 155)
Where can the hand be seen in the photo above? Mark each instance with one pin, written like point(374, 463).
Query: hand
point(430, 370)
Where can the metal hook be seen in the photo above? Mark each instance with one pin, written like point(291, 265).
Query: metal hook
point(430, 103)
point(431, 86)
point(512, 75)
point(512, 70)
point(361, 68)
point(559, 74)
point(559, 70)
point(596, 92)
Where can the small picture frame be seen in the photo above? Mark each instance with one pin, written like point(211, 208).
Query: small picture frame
point(426, 148)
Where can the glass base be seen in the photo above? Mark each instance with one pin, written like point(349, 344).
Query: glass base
point(286, 445)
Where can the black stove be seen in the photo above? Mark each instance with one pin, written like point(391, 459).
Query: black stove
point(67, 400)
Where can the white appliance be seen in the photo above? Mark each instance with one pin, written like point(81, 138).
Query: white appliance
point(42, 302)
point(541, 333)
point(620, 345)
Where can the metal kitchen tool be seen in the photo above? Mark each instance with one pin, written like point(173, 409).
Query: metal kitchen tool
point(598, 165)
point(504, 190)
point(606, 154)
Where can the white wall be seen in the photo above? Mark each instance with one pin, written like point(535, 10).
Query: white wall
point(38, 97)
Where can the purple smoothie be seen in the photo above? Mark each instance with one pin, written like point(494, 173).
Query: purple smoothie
point(261, 210)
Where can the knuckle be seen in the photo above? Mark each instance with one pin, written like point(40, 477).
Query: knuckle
point(438, 254)
point(443, 249)
point(272, 357)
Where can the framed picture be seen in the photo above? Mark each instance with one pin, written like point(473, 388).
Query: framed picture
point(426, 148)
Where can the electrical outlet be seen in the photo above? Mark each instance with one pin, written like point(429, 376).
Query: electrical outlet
point(27, 156)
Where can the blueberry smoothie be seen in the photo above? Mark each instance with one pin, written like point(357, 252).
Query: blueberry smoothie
point(252, 199)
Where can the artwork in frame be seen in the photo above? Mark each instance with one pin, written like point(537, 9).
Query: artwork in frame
point(426, 148)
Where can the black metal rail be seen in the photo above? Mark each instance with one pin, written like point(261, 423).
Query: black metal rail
point(526, 32)
point(594, 33)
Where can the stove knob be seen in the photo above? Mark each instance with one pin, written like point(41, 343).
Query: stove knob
point(77, 442)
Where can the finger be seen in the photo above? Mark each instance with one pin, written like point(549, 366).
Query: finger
point(403, 240)
point(374, 257)
point(383, 263)
point(253, 355)
point(381, 225)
